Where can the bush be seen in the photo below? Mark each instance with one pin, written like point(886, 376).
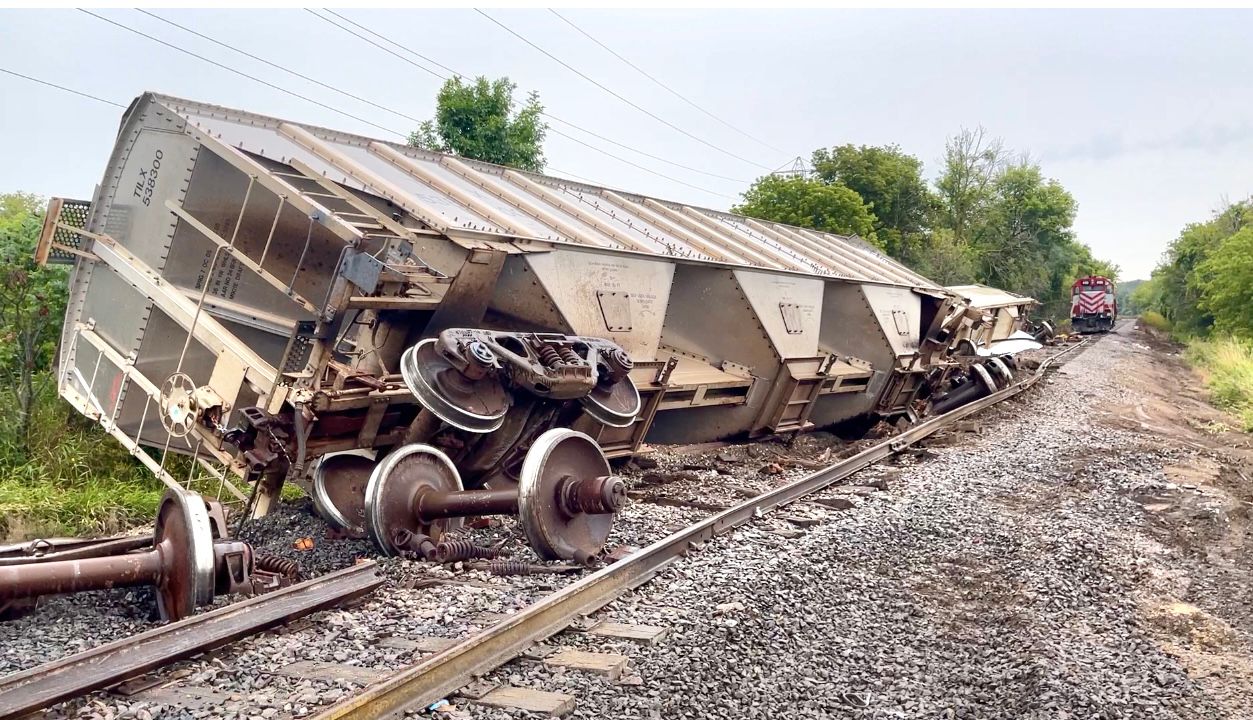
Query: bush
point(1227, 364)
point(1155, 320)
point(68, 477)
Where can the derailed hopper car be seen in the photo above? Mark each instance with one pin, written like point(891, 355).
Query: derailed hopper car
point(264, 294)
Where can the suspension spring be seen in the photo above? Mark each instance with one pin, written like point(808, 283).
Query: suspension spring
point(278, 565)
point(569, 355)
point(548, 355)
point(461, 549)
point(512, 567)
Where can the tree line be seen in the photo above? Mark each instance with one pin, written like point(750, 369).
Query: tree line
point(990, 216)
point(1204, 282)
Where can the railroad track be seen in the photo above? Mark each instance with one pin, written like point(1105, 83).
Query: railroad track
point(449, 664)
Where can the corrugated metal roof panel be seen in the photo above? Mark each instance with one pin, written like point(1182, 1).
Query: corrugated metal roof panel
point(983, 296)
point(450, 193)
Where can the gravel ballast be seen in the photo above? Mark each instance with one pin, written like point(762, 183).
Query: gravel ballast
point(1015, 568)
point(1009, 576)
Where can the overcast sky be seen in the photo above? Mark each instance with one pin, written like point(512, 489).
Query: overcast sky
point(1145, 116)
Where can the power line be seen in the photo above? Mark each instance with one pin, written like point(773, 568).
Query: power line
point(641, 167)
point(647, 112)
point(62, 87)
point(337, 110)
point(289, 71)
point(645, 154)
point(357, 35)
point(242, 74)
point(407, 49)
point(664, 86)
point(545, 114)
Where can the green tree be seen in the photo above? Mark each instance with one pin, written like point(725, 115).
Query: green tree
point(1024, 240)
point(944, 260)
point(32, 306)
point(804, 202)
point(890, 182)
point(1179, 280)
point(1226, 279)
point(1126, 294)
point(480, 120)
point(1145, 296)
point(972, 163)
point(1009, 222)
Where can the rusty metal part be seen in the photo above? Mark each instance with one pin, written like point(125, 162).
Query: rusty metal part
point(45, 685)
point(462, 549)
point(407, 542)
point(978, 384)
point(286, 567)
point(38, 551)
point(485, 501)
point(518, 567)
point(440, 674)
point(565, 499)
point(425, 425)
point(179, 411)
point(393, 491)
point(614, 403)
point(476, 405)
point(339, 483)
point(186, 566)
point(567, 496)
point(180, 564)
point(1000, 371)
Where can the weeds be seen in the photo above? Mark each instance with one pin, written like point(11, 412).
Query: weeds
point(68, 477)
point(1227, 364)
point(1155, 320)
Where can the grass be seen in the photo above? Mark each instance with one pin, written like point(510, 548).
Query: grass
point(1227, 364)
point(1155, 320)
point(69, 478)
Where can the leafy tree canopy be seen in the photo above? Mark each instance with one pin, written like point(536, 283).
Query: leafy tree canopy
point(1184, 277)
point(480, 120)
point(32, 305)
point(804, 202)
point(1226, 280)
point(889, 181)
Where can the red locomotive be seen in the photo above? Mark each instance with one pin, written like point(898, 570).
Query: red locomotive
point(1093, 307)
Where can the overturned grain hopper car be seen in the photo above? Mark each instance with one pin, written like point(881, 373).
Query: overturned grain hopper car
point(418, 337)
point(991, 315)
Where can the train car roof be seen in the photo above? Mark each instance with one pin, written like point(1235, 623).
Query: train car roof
point(984, 296)
point(454, 194)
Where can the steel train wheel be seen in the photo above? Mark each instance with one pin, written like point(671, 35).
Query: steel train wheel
point(476, 406)
point(615, 406)
point(555, 456)
point(395, 484)
point(184, 538)
point(1001, 371)
point(339, 486)
point(984, 377)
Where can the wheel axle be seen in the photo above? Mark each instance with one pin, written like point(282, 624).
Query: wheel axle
point(565, 499)
point(186, 566)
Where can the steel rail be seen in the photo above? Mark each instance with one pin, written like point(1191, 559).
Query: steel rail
point(445, 672)
point(44, 685)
